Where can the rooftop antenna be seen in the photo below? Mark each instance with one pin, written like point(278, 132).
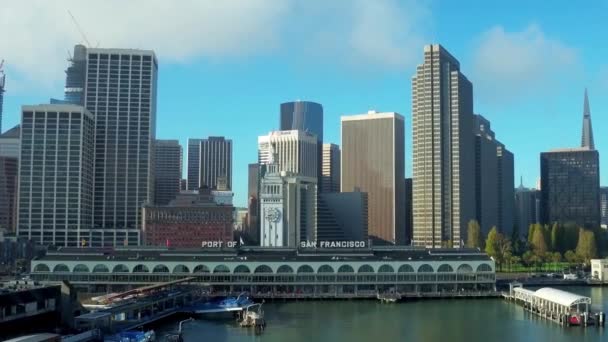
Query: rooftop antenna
point(79, 29)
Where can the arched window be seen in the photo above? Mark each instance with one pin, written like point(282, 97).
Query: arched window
point(484, 268)
point(201, 269)
point(365, 269)
point(41, 268)
point(61, 268)
point(285, 269)
point(160, 269)
point(305, 269)
point(386, 269)
point(464, 268)
point(406, 269)
point(141, 269)
point(101, 268)
point(120, 268)
point(325, 269)
point(242, 269)
point(425, 268)
point(346, 269)
point(445, 268)
point(181, 269)
point(221, 269)
point(80, 268)
point(263, 269)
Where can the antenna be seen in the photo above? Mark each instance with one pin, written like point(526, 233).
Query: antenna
point(79, 29)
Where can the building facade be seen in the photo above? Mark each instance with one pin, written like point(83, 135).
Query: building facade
point(409, 219)
point(373, 161)
point(341, 216)
point(194, 163)
point(443, 170)
point(330, 168)
point(76, 77)
point(9, 168)
point(587, 132)
point(252, 230)
point(570, 184)
point(505, 191)
point(604, 207)
point(2, 84)
point(120, 91)
point(56, 175)
point(215, 162)
point(294, 151)
point(527, 208)
point(167, 170)
point(303, 116)
point(288, 205)
point(187, 221)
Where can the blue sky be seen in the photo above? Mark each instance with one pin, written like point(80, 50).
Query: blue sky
point(226, 66)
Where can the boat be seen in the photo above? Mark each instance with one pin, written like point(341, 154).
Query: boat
point(253, 316)
point(388, 297)
point(132, 336)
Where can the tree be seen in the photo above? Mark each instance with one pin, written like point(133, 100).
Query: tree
point(514, 260)
point(531, 232)
point(539, 243)
point(556, 258)
point(474, 236)
point(492, 242)
point(586, 249)
point(570, 257)
point(570, 236)
point(527, 258)
point(556, 237)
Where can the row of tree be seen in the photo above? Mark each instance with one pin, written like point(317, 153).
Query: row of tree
point(544, 244)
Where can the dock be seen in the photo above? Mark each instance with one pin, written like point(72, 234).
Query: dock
point(562, 307)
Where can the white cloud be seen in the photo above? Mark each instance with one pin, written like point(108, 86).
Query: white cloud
point(511, 64)
point(37, 34)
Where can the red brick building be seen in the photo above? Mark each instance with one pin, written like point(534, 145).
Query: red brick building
point(187, 221)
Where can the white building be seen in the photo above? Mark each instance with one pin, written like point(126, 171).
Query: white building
point(599, 270)
point(294, 151)
point(287, 208)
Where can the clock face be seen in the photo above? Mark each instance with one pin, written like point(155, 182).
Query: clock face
point(273, 214)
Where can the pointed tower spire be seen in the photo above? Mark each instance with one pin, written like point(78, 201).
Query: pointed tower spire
point(587, 137)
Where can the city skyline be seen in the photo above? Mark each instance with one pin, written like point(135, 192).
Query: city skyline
point(519, 120)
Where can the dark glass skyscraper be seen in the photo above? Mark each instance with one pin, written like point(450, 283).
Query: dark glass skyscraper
point(120, 91)
point(302, 116)
point(215, 161)
point(76, 76)
point(194, 163)
point(167, 170)
point(2, 82)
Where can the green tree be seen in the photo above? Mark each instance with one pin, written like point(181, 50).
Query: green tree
point(531, 230)
point(586, 249)
point(570, 257)
point(556, 237)
point(492, 242)
point(527, 258)
point(474, 236)
point(514, 260)
point(539, 243)
point(556, 258)
point(570, 236)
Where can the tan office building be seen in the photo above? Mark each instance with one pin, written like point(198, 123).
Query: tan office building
point(373, 161)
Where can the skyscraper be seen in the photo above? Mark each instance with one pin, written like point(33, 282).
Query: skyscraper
point(604, 207)
point(9, 166)
point(295, 151)
point(194, 163)
point(56, 175)
point(527, 208)
point(303, 116)
point(505, 191)
point(76, 76)
point(443, 170)
point(120, 92)
point(215, 161)
point(253, 204)
point(168, 170)
point(570, 185)
point(330, 168)
point(373, 161)
point(587, 136)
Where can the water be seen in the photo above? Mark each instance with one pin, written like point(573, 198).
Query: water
point(434, 320)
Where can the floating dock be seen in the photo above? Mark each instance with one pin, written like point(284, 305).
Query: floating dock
point(559, 306)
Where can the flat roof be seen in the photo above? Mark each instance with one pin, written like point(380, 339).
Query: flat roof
point(263, 254)
point(561, 297)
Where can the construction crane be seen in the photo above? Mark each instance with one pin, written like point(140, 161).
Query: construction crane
point(79, 29)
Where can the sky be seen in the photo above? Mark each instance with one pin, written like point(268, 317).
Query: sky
point(225, 66)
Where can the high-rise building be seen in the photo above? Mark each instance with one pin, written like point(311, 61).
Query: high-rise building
point(76, 76)
point(409, 219)
point(444, 165)
point(570, 184)
point(183, 185)
point(295, 151)
point(288, 203)
point(587, 135)
point(9, 166)
point(168, 170)
point(604, 207)
point(493, 180)
point(527, 208)
point(194, 164)
point(2, 83)
point(252, 232)
point(215, 162)
point(302, 116)
point(120, 92)
point(56, 175)
point(330, 168)
point(373, 161)
point(341, 216)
